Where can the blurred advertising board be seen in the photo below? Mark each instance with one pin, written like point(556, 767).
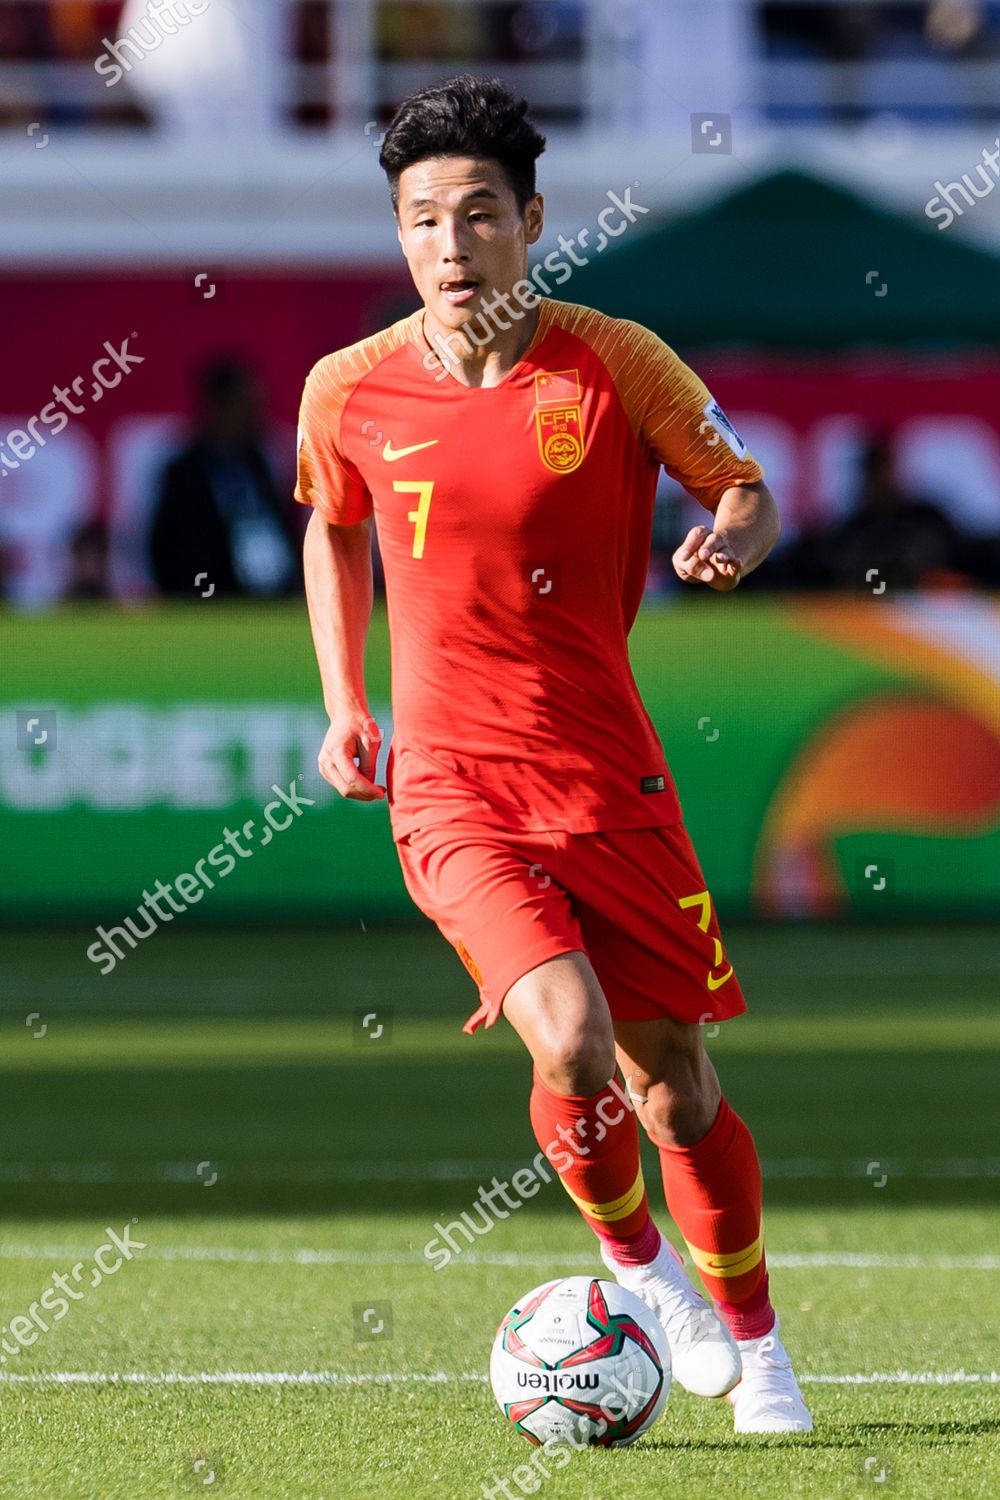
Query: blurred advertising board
point(835, 756)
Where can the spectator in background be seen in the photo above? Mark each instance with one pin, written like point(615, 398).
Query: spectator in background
point(88, 554)
point(23, 34)
point(219, 510)
point(311, 50)
point(439, 32)
point(554, 29)
point(76, 31)
point(908, 540)
point(66, 34)
point(957, 27)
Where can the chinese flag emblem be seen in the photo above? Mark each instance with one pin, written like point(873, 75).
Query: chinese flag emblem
point(558, 387)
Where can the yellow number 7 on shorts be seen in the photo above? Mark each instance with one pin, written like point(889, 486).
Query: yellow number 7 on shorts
point(703, 901)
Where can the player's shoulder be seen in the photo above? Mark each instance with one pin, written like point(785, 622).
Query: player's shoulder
point(335, 375)
point(617, 342)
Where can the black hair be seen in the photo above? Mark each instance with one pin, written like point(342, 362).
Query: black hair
point(464, 116)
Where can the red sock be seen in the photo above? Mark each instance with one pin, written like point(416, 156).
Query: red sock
point(713, 1192)
point(593, 1143)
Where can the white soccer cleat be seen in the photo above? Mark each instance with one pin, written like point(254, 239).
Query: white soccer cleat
point(768, 1398)
point(703, 1353)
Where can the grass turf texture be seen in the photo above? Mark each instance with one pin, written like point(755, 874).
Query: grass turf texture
point(241, 1052)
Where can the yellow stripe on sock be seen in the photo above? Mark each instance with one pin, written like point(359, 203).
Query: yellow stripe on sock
point(729, 1263)
point(618, 1208)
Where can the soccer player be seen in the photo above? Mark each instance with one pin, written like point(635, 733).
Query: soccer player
point(507, 447)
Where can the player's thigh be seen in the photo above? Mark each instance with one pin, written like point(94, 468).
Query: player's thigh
point(650, 928)
point(484, 891)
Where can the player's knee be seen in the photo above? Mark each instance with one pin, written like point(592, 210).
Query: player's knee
point(561, 1014)
point(576, 1062)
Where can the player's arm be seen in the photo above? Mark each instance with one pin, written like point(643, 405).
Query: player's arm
point(746, 527)
point(686, 430)
point(339, 590)
point(339, 585)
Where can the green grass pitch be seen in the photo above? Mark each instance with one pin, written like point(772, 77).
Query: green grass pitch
point(285, 1169)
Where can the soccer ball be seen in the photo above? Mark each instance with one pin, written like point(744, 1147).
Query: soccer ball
point(580, 1361)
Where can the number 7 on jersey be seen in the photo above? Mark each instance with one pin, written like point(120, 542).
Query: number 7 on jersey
point(425, 489)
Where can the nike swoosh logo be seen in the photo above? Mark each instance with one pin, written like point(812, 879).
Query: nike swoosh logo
point(390, 454)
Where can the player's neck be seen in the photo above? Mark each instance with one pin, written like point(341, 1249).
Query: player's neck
point(487, 362)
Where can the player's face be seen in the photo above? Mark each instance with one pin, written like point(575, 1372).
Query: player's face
point(463, 235)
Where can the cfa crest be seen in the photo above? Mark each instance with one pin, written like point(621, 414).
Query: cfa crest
point(560, 438)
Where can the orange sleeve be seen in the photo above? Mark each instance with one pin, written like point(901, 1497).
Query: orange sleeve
point(327, 480)
point(681, 423)
point(672, 413)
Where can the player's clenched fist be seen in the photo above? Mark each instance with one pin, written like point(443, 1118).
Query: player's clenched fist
point(347, 759)
point(705, 556)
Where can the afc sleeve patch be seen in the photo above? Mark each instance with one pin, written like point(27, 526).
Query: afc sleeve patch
point(716, 418)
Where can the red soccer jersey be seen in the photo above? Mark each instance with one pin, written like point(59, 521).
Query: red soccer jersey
point(514, 525)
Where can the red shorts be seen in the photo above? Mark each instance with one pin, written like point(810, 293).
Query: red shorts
point(634, 900)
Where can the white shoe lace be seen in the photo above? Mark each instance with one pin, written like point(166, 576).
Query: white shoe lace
point(686, 1317)
point(769, 1353)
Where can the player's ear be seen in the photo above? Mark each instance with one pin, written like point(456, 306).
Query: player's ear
point(534, 219)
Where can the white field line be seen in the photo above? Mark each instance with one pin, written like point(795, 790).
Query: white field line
point(806, 1260)
point(452, 1170)
point(334, 1377)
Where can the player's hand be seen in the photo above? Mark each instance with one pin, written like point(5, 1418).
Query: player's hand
point(705, 556)
point(352, 736)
